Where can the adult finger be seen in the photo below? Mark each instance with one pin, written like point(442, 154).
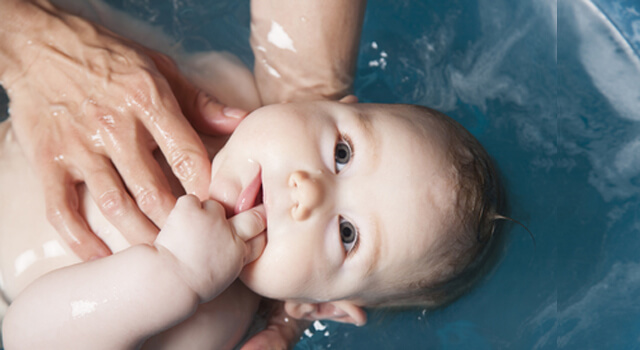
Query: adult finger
point(61, 201)
point(209, 116)
point(269, 338)
point(179, 143)
point(113, 200)
point(282, 331)
point(203, 111)
point(147, 184)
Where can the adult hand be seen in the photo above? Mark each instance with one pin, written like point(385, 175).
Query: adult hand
point(281, 332)
point(90, 106)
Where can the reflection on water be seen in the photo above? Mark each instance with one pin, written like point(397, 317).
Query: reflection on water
point(562, 123)
point(614, 68)
point(600, 136)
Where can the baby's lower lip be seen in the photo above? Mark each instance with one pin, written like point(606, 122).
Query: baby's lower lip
point(249, 194)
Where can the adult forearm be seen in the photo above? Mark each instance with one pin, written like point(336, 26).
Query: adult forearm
point(111, 303)
point(305, 50)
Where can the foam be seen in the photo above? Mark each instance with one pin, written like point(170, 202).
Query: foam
point(618, 290)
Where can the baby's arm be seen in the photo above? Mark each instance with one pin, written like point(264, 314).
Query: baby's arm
point(119, 301)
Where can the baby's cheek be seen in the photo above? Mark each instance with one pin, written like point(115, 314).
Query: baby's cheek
point(280, 272)
point(224, 192)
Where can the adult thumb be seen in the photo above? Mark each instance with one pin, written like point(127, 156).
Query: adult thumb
point(203, 111)
point(248, 225)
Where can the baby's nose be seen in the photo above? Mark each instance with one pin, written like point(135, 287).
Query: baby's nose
point(307, 193)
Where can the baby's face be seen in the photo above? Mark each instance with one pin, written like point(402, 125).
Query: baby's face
point(355, 196)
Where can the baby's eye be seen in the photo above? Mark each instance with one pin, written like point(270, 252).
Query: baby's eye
point(348, 235)
point(342, 154)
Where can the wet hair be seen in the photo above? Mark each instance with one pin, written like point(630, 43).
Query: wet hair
point(458, 259)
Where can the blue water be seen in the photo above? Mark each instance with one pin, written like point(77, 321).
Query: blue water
point(552, 89)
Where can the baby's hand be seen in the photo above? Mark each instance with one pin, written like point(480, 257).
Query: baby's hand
point(209, 251)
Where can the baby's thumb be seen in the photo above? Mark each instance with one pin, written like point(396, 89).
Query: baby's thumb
point(248, 225)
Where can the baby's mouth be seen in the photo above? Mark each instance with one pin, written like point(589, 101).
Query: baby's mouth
point(260, 197)
point(250, 195)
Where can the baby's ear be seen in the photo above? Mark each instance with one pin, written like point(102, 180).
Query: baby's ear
point(340, 311)
point(349, 99)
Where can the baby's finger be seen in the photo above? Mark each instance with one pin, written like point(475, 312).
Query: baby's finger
point(250, 223)
point(188, 200)
point(254, 248)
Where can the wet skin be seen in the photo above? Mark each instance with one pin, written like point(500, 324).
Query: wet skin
point(355, 196)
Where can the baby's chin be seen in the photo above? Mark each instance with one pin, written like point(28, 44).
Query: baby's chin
point(246, 276)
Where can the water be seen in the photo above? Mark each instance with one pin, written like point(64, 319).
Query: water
point(552, 89)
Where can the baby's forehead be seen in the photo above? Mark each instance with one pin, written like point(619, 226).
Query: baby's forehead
point(409, 119)
point(415, 131)
point(415, 202)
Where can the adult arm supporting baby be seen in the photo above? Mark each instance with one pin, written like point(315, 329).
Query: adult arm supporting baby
point(119, 301)
point(305, 50)
point(90, 106)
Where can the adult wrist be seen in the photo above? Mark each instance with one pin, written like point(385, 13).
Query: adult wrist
point(284, 75)
point(305, 50)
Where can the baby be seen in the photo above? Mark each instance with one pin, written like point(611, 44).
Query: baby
point(365, 205)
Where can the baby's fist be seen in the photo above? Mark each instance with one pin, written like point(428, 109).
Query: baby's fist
point(211, 250)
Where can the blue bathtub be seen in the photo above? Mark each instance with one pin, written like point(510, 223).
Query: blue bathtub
point(552, 89)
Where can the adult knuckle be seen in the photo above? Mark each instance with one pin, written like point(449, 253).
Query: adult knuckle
point(104, 117)
point(150, 200)
point(113, 203)
point(184, 165)
point(145, 78)
point(164, 61)
point(142, 88)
